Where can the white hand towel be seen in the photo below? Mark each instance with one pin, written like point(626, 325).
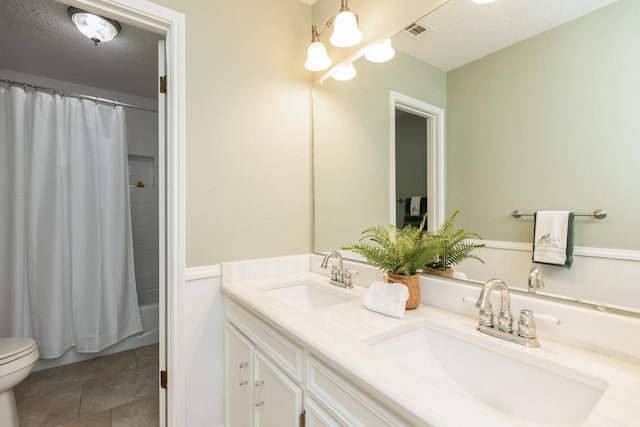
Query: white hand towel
point(553, 238)
point(414, 207)
point(387, 298)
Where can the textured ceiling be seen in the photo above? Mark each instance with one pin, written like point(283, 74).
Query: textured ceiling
point(38, 37)
point(460, 31)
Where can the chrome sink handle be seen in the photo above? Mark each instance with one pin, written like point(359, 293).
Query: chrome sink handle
point(526, 325)
point(347, 277)
point(486, 316)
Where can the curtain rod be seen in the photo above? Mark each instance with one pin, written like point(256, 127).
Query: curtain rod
point(76, 95)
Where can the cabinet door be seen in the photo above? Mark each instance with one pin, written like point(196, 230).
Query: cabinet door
point(238, 378)
point(315, 416)
point(277, 399)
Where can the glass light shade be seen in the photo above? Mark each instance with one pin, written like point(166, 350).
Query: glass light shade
point(345, 30)
point(94, 27)
point(317, 58)
point(381, 53)
point(346, 72)
point(483, 1)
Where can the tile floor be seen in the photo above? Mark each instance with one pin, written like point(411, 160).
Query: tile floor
point(116, 390)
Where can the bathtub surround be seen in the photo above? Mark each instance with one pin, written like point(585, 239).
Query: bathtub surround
point(66, 223)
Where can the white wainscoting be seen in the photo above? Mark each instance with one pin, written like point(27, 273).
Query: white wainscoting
point(203, 340)
point(605, 277)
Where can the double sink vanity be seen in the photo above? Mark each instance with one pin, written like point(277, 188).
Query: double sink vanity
point(296, 345)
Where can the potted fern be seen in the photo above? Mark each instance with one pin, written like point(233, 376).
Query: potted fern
point(399, 252)
point(453, 248)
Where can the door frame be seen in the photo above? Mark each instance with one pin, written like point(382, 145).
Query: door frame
point(435, 155)
point(159, 19)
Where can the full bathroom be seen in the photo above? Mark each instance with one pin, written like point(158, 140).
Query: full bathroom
point(252, 206)
point(81, 216)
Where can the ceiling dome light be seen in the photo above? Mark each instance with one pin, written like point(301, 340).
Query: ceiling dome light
point(381, 53)
point(95, 27)
point(345, 72)
point(345, 28)
point(317, 57)
point(483, 1)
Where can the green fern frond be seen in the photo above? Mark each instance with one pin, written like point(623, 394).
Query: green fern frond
point(399, 251)
point(454, 244)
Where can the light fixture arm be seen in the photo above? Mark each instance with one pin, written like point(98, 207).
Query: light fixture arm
point(315, 34)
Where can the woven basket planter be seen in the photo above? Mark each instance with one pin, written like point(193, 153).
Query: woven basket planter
point(444, 273)
point(412, 283)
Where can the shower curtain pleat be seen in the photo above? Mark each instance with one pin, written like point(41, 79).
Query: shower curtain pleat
point(69, 183)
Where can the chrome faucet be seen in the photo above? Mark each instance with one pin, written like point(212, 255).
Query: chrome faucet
point(535, 280)
point(505, 320)
point(526, 333)
point(339, 275)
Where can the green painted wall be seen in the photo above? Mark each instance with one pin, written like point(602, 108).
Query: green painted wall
point(248, 129)
point(552, 122)
point(351, 144)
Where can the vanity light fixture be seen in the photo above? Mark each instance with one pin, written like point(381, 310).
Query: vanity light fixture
point(317, 57)
point(345, 72)
point(97, 28)
point(345, 28)
point(382, 52)
point(345, 34)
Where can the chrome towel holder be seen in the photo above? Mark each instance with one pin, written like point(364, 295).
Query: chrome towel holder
point(598, 214)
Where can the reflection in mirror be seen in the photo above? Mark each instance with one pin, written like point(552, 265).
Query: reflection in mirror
point(549, 122)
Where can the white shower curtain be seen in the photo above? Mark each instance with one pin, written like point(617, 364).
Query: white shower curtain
point(66, 252)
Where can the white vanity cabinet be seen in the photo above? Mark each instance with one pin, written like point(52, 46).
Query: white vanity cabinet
point(267, 374)
point(346, 403)
point(315, 416)
point(259, 387)
point(238, 378)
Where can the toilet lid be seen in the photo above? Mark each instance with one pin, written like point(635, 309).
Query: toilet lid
point(13, 348)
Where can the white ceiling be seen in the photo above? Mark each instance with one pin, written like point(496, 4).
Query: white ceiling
point(37, 37)
point(460, 31)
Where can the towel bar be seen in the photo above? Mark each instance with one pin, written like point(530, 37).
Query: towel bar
point(599, 214)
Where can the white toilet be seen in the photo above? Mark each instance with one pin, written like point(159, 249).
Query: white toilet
point(17, 357)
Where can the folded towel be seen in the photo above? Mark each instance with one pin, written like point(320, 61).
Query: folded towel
point(553, 238)
point(387, 298)
point(414, 207)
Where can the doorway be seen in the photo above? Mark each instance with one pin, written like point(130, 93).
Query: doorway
point(416, 168)
point(411, 168)
point(170, 25)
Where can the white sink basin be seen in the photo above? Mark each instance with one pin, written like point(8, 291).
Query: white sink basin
point(309, 296)
point(516, 383)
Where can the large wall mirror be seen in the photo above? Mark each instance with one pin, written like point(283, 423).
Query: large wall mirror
point(550, 121)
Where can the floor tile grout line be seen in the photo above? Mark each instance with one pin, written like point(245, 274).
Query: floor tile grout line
point(81, 398)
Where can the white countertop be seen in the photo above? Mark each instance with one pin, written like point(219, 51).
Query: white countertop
point(338, 335)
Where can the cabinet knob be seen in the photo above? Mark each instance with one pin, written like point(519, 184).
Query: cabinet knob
point(259, 404)
point(259, 383)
